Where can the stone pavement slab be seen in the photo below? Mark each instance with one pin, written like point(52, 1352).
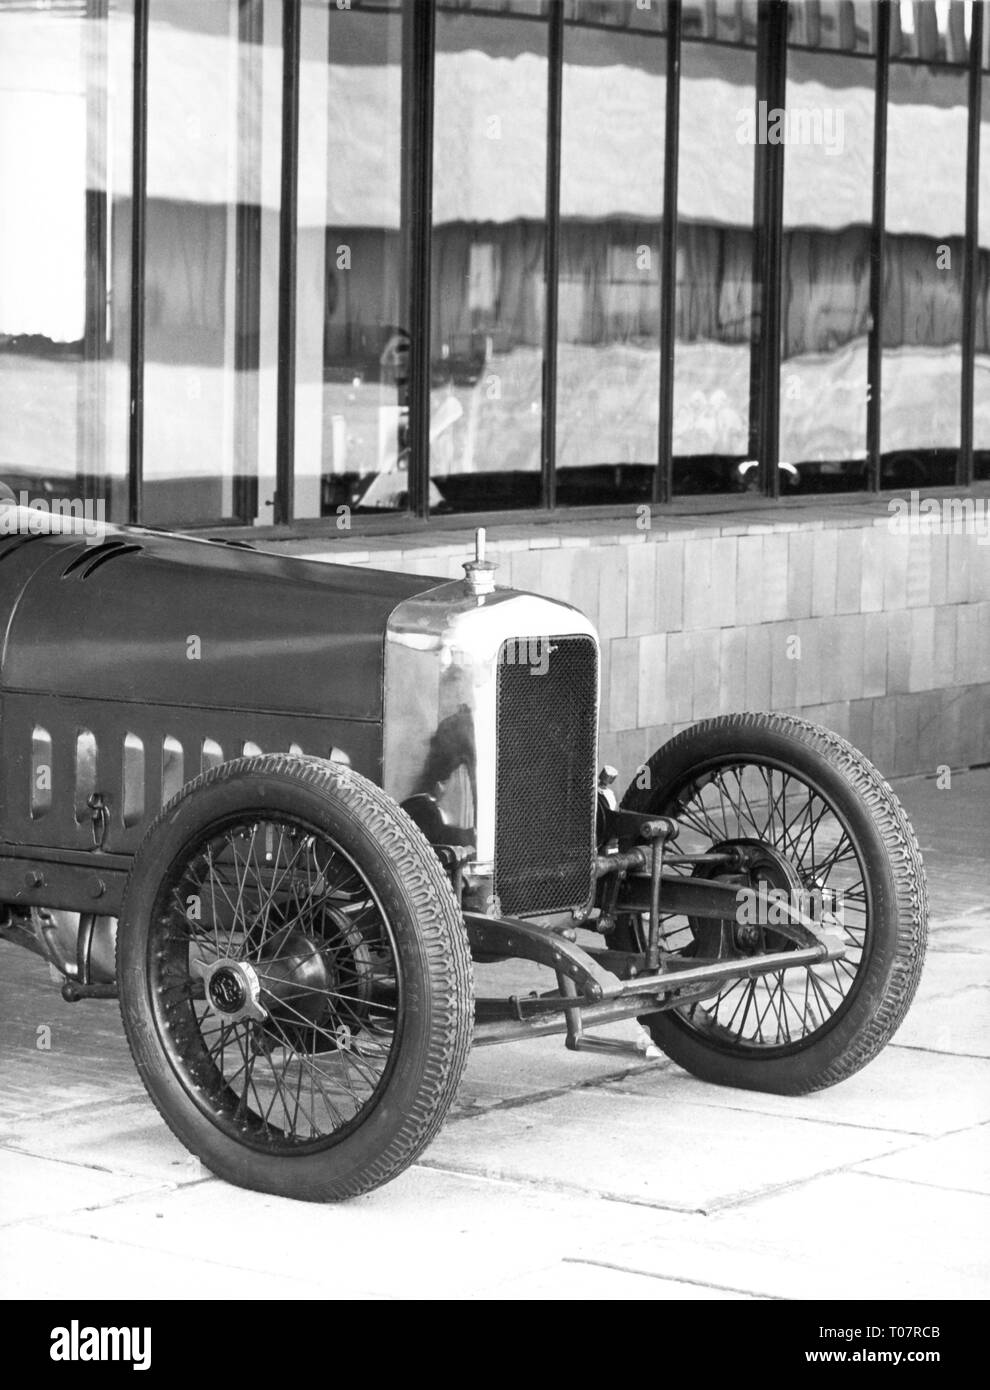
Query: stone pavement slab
point(650, 1150)
point(958, 1161)
point(586, 1281)
point(543, 1067)
point(953, 829)
point(847, 1235)
point(557, 1176)
point(38, 1263)
point(33, 1187)
point(948, 973)
point(56, 1054)
point(910, 1092)
point(128, 1138)
point(956, 1024)
point(426, 1234)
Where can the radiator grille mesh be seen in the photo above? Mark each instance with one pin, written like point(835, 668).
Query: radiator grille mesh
point(546, 785)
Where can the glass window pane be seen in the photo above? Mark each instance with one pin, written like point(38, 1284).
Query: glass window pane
point(351, 321)
point(642, 15)
point(714, 269)
point(935, 31)
point(489, 213)
point(981, 379)
point(65, 169)
point(843, 26)
point(611, 199)
point(214, 123)
point(825, 281)
point(726, 21)
point(922, 323)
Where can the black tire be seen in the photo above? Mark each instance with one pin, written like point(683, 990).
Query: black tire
point(870, 992)
point(305, 1033)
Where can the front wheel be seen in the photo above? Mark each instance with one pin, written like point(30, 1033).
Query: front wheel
point(824, 825)
point(295, 978)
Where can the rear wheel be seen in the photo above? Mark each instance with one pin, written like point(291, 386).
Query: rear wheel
point(295, 978)
point(815, 818)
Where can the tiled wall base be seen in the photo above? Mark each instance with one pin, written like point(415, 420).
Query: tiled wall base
point(828, 613)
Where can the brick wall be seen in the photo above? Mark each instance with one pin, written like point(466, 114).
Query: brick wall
point(825, 612)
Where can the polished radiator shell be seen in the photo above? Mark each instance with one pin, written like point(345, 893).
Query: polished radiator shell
point(445, 666)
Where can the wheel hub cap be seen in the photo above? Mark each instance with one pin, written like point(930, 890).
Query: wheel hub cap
point(233, 991)
point(762, 868)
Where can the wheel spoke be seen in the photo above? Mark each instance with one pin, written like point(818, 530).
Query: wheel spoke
point(773, 804)
point(286, 905)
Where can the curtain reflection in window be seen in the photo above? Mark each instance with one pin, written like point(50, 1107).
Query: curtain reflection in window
point(936, 31)
point(922, 315)
point(489, 208)
point(727, 21)
point(981, 383)
point(65, 160)
point(352, 329)
point(825, 281)
point(714, 268)
point(214, 120)
point(844, 26)
point(608, 363)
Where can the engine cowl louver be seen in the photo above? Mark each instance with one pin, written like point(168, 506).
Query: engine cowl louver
point(11, 543)
point(85, 564)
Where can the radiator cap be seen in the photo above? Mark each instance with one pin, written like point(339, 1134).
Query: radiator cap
point(479, 572)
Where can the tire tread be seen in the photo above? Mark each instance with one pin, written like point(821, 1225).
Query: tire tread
point(444, 947)
point(902, 849)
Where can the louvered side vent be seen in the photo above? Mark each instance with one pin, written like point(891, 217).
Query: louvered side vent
point(40, 791)
point(545, 768)
point(10, 543)
point(93, 557)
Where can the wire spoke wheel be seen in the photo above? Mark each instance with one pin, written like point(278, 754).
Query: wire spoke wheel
point(805, 821)
point(277, 983)
point(745, 803)
point(295, 982)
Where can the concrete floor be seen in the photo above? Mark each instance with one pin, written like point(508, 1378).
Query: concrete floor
point(558, 1176)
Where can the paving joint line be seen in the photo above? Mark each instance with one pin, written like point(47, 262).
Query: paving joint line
point(553, 1093)
point(557, 1185)
point(920, 1182)
point(939, 1052)
point(741, 1109)
point(671, 1278)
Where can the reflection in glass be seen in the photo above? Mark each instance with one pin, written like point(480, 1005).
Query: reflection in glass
point(936, 31)
point(922, 315)
point(981, 380)
point(844, 26)
point(608, 363)
point(714, 269)
point(352, 326)
point(214, 94)
point(487, 292)
point(825, 282)
point(726, 21)
point(645, 16)
point(65, 160)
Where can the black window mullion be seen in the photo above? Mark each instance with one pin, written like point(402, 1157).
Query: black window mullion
point(247, 294)
point(419, 46)
point(287, 246)
point(768, 200)
point(878, 242)
point(663, 477)
point(970, 285)
point(551, 252)
point(91, 432)
point(139, 196)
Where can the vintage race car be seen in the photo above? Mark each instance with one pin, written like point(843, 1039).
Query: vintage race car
point(282, 807)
